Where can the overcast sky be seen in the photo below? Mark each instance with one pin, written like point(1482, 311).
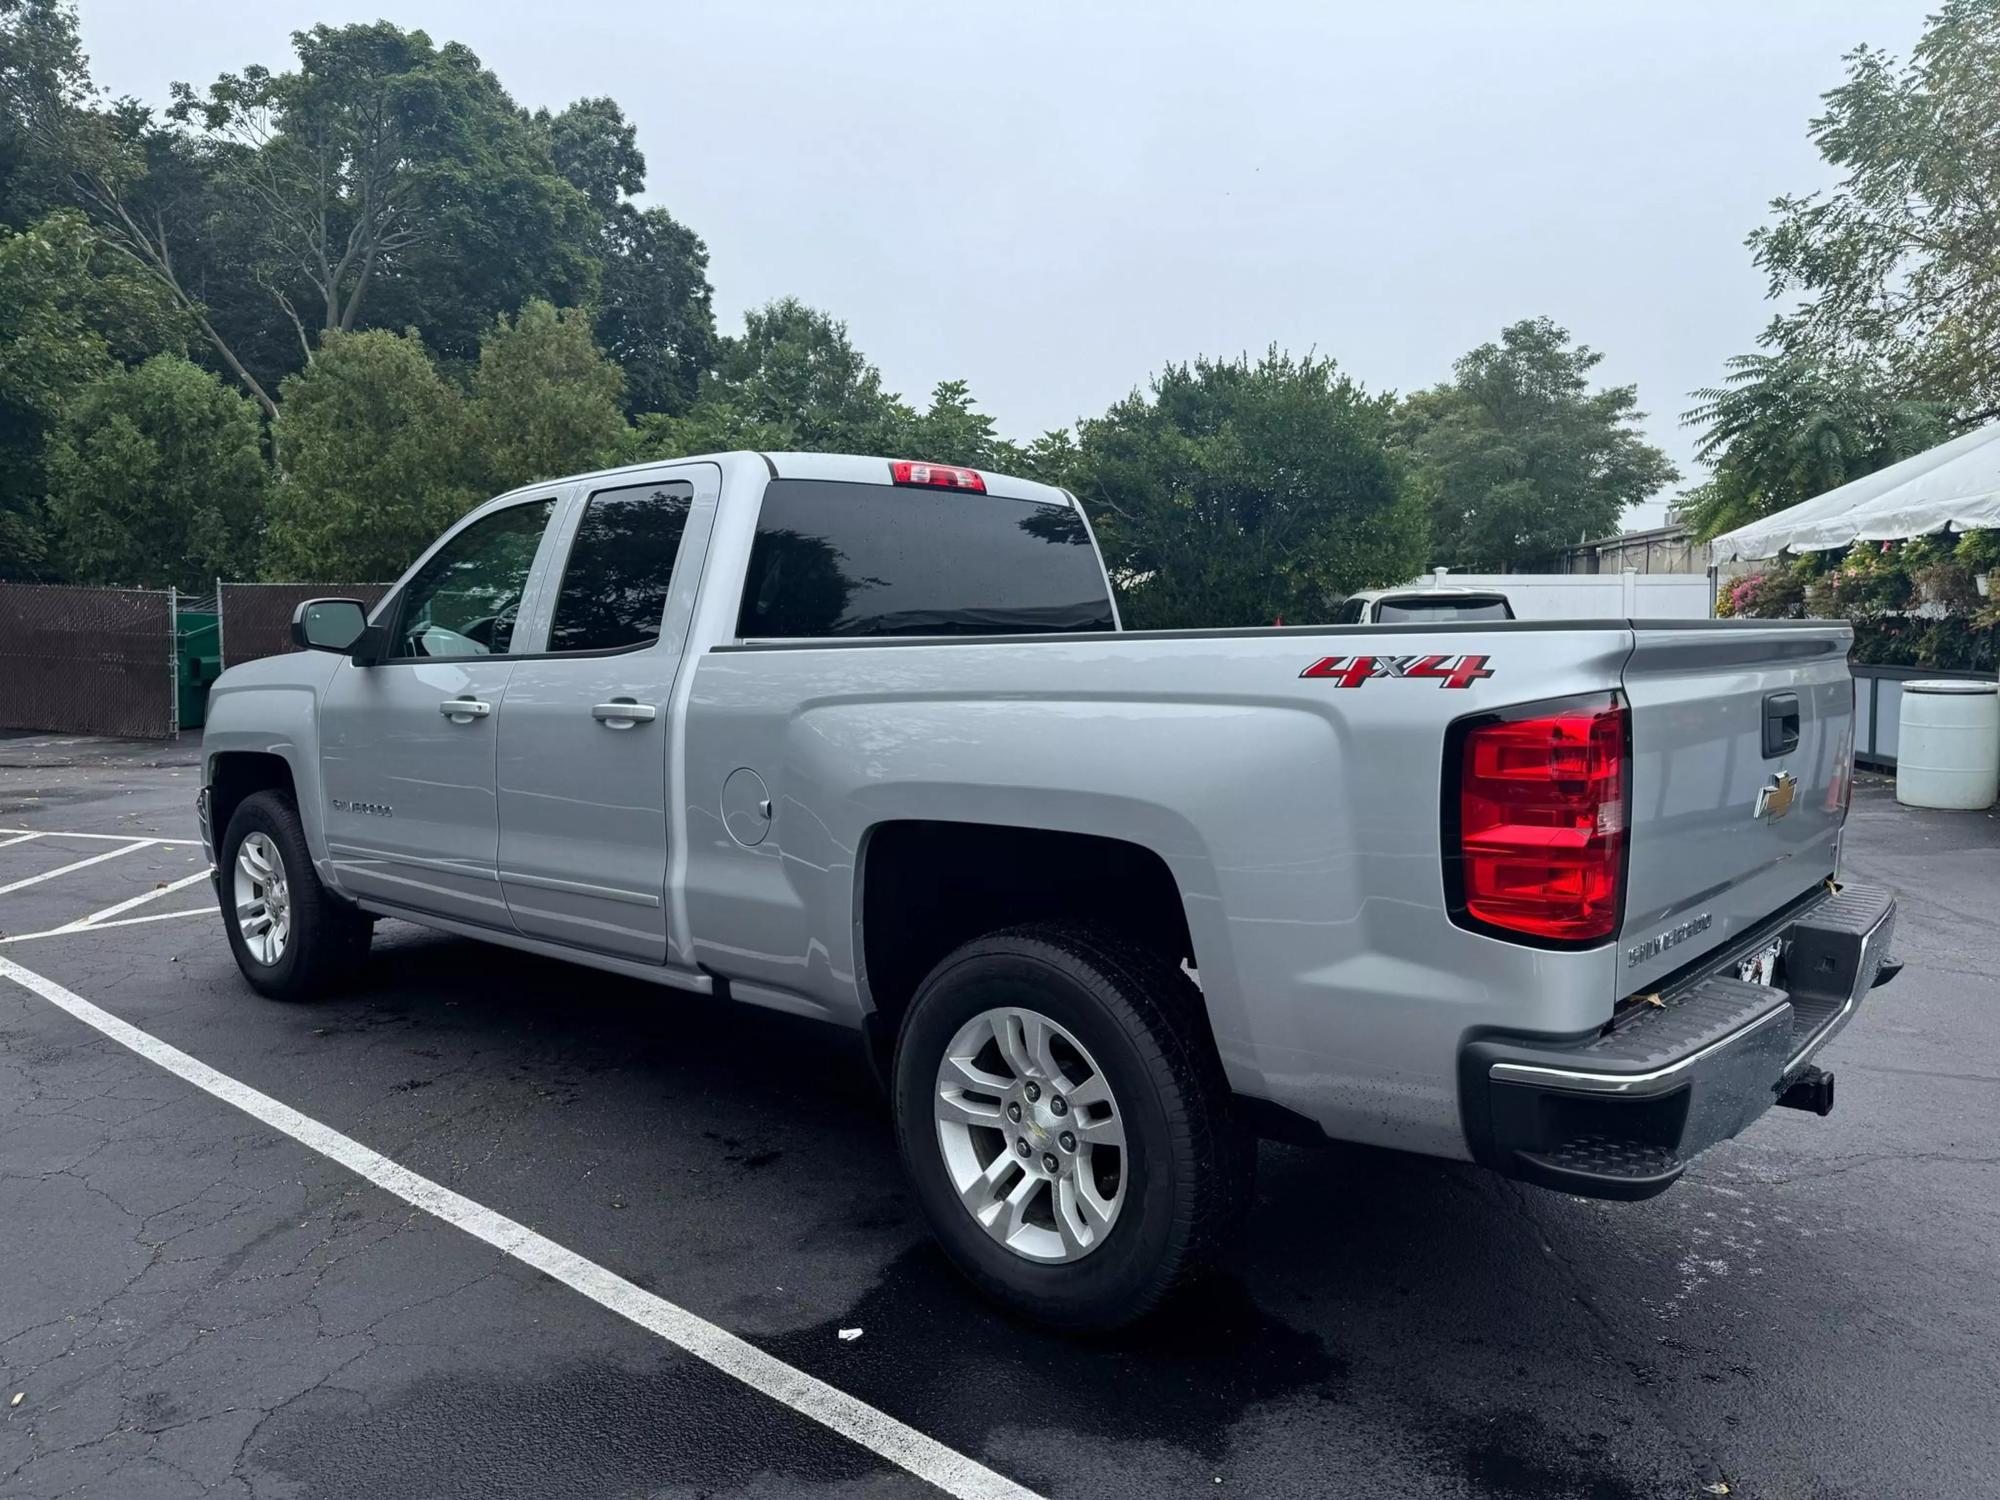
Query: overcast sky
point(1053, 200)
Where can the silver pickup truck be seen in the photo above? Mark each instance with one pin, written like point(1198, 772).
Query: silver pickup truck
point(862, 740)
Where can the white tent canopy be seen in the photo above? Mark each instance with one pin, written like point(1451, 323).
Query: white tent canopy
point(1956, 484)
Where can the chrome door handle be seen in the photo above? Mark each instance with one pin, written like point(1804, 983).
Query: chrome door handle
point(464, 710)
point(623, 714)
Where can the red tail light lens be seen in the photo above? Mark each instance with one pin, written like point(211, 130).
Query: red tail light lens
point(936, 476)
point(1540, 827)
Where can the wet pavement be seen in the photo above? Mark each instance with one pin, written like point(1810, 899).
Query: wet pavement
point(192, 1303)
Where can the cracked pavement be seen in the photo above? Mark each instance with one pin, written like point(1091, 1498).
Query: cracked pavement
point(192, 1304)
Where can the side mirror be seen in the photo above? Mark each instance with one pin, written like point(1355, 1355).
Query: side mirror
point(329, 625)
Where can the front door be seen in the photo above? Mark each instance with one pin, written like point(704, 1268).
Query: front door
point(586, 730)
point(407, 745)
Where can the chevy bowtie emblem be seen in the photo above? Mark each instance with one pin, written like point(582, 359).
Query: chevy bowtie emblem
point(1775, 800)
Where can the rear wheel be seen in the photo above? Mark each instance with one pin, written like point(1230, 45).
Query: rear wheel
point(292, 937)
point(1065, 1120)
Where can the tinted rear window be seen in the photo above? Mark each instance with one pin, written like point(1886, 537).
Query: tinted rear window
point(834, 559)
point(1389, 610)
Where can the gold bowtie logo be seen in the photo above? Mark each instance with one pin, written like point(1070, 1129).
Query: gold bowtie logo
point(1775, 800)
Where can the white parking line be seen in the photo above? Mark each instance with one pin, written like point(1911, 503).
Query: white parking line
point(52, 833)
point(877, 1431)
point(19, 838)
point(95, 859)
point(140, 900)
point(77, 930)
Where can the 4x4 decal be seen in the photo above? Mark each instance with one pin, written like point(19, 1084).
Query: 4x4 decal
point(1449, 671)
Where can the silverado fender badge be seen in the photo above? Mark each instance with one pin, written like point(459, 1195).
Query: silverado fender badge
point(1449, 671)
point(1775, 800)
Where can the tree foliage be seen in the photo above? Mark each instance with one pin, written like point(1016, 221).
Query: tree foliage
point(70, 313)
point(157, 478)
point(545, 399)
point(1899, 266)
point(1786, 428)
point(1234, 492)
point(654, 311)
point(376, 459)
point(1516, 457)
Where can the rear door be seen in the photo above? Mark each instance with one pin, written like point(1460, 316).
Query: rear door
point(586, 749)
point(407, 745)
point(1742, 738)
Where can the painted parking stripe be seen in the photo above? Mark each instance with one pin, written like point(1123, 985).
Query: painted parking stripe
point(55, 833)
point(140, 900)
point(19, 838)
point(95, 859)
point(854, 1419)
point(77, 930)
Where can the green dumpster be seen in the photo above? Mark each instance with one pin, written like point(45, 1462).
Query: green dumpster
point(198, 654)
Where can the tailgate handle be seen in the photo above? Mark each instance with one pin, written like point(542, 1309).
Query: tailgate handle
point(1781, 724)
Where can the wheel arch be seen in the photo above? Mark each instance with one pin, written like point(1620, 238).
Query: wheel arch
point(925, 886)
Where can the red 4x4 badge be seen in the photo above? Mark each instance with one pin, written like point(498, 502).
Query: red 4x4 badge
point(1449, 671)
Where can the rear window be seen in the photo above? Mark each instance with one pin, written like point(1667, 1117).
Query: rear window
point(835, 559)
point(1389, 610)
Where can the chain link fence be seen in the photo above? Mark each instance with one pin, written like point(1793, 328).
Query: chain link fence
point(256, 618)
point(88, 660)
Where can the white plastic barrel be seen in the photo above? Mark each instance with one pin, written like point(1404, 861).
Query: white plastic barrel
point(1948, 744)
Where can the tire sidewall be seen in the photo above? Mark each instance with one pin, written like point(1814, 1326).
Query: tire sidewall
point(1124, 1273)
point(257, 814)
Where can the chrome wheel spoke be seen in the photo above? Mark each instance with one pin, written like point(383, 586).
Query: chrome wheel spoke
point(1040, 1166)
point(969, 1109)
point(262, 899)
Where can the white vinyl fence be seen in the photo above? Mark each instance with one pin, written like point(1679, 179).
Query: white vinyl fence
point(1593, 596)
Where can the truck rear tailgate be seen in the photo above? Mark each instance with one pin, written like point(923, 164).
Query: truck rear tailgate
point(1742, 740)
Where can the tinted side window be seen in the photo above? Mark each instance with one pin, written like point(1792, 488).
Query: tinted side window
point(1348, 613)
point(614, 589)
point(833, 559)
point(464, 601)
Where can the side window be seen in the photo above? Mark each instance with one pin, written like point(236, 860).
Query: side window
point(614, 588)
point(464, 601)
point(1348, 613)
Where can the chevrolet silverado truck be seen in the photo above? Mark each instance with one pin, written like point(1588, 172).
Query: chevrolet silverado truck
point(863, 740)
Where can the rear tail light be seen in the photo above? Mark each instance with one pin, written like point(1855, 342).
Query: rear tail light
point(1535, 828)
point(936, 476)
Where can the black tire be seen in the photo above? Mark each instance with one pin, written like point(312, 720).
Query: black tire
point(1141, 1019)
point(328, 937)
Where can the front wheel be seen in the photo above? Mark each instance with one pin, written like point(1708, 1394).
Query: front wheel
point(292, 937)
point(1065, 1120)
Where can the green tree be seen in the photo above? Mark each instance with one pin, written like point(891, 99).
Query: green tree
point(42, 67)
point(1785, 428)
point(384, 181)
point(655, 314)
point(156, 477)
point(376, 461)
point(1900, 264)
point(953, 431)
point(70, 313)
point(545, 399)
point(1516, 457)
point(1235, 492)
point(792, 380)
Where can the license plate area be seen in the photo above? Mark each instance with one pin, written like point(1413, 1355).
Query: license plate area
point(1761, 967)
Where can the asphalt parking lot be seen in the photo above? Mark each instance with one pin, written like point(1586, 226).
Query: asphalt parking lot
point(193, 1302)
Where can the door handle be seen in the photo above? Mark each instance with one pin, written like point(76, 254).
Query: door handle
point(464, 710)
point(623, 713)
